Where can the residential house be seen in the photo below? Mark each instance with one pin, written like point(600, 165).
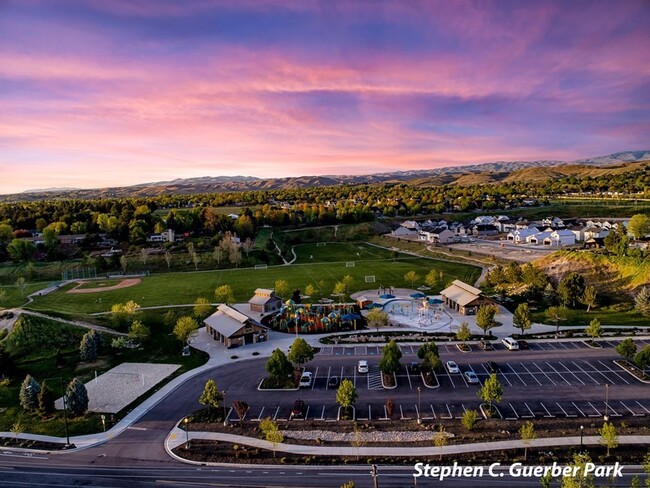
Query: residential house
point(403, 232)
point(410, 224)
point(578, 231)
point(484, 230)
point(439, 235)
point(519, 236)
point(560, 237)
point(595, 232)
point(538, 238)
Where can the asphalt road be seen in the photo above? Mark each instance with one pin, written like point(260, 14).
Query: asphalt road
point(137, 457)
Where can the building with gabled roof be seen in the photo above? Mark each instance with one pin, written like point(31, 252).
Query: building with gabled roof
point(233, 328)
point(464, 298)
point(265, 301)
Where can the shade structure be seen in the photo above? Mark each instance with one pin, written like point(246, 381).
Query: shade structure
point(417, 295)
point(387, 295)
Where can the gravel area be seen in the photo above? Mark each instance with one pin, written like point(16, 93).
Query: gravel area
point(115, 389)
point(393, 436)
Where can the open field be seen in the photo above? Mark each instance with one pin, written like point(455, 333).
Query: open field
point(183, 288)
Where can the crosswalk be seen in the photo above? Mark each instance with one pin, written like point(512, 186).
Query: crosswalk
point(374, 378)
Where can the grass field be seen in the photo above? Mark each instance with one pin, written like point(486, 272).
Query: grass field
point(327, 267)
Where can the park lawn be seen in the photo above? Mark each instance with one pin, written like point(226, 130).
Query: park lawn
point(581, 317)
point(184, 288)
point(339, 252)
point(14, 298)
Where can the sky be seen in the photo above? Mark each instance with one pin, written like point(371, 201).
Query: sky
point(100, 93)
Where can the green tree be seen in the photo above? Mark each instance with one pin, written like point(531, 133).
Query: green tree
point(21, 250)
point(617, 242)
point(463, 334)
point(278, 366)
point(411, 277)
point(627, 348)
point(377, 318)
point(310, 291)
point(202, 308)
point(391, 355)
point(491, 391)
point(440, 439)
point(550, 295)
point(28, 394)
point(639, 226)
point(521, 317)
point(426, 348)
point(578, 478)
point(281, 288)
point(642, 301)
point(589, 298)
point(594, 330)
point(76, 397)
point(339, 288)
point(431, 279)
point(271, 433)
point(469, 419)
point(642, 358)
point(186, 328)
point(88, 347)
point(485, 318)
point(211, 395)
point(21, 283)
point(349, 484)
point(124, 263)
point(139, 331)
point(6, 233)
point(45, 400)
point(346, 394)
point(556, 315)
point(224, 294)
point(608, 436)
point(527, 434)
point(571, 289)
point(348, 281)
point(300, 352)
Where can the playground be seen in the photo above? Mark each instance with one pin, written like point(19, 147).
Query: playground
point(316, 318)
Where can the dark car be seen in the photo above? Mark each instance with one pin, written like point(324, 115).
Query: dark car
point(298, 410)
point(523, 345)
point(414, 368)
point(492, 367)
point(333, 382)
point(486, 345)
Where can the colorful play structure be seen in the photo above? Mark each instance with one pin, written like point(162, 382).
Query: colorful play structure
point(316, 318)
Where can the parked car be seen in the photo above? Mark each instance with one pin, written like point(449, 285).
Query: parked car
point(306, 379)
point(523, 344)
point(414, 368)
point(333, 382)
point(510, 343)
point(486, 345)
point(362, 366)
point(298, 410)
point(452, 367)
point(470, 377)
point(492, 367)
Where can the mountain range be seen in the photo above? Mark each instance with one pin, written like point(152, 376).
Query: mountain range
point(486, 173)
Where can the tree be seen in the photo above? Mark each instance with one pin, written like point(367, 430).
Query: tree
point(594, 330)
point(608, 436)
point(21, 283)
point(440, 439)
point(642, 358)
point(463, 333)
point(348, 281)
point(642, 301)
point(310, 290)
point(247, 246)
point(411, 277)
point(88, 347)
point(339, 288)
point(639, 226)
point(21, 250)
point(224, 294)
point(76, 397)
point(431, 279)
point(240, 407)
point(527, 434)
point(391, 355)
point(469, 419)
point(271, 432)
point(349, 484)
point(627, 348)
point(281, 288)
point(17, 429)
point(521, 317)
point(550, 295)
point(139, 331)
point(390, 408)
point(377, 318)
point(123, 263)
point(485, 318)
point(556, 315)
point(491, 391)
point(300, 352)
point(28, 395)
point(168, 259)
point(211, 395)
point(571, 288)
point(617, 242)
point(202, 308)
point(357, 438)
point(278, 366)
point(589, 298)
point(578, 477)
point(144, 256)
point(346, 394)
point(426, 348)
point(186, 328)
point(45, 400)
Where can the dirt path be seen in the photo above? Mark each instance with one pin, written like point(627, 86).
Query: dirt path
point(122, 284)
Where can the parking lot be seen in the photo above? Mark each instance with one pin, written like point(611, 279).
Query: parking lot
point(550, 380)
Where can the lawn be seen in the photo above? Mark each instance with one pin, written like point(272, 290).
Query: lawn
point(184, 288)
point(14, 297)
point(606, 317)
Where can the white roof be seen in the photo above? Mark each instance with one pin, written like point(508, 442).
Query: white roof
point(226, 320)
point(461, 293)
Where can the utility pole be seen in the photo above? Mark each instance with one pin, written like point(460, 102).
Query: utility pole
point(375, 478)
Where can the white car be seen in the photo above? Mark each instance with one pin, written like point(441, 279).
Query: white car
point(362, 367)
point(471, 377)
point(510, 343)
point(306, 379)
point(452, 367)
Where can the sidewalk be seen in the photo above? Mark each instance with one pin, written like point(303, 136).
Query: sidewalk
point(178, 437)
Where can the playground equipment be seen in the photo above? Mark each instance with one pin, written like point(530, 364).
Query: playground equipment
point(315, 318)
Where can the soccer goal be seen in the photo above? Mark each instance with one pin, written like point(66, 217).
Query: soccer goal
point(349, 264)
point(370, 279)
point(261, 266)
point(321, 244)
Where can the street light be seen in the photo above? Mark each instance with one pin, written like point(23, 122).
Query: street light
point(187, 433)
point(225, 420)
point(419, 397)
point(606, 416)
point(582, 430)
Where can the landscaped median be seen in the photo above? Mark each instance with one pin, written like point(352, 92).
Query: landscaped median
point(632, 370)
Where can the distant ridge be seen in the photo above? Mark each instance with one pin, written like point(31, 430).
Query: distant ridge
point(485, 173)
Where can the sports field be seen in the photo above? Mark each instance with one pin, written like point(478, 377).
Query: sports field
point(328, 265)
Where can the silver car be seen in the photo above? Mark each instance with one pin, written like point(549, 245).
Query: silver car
point(452, 367)
point(470, 377)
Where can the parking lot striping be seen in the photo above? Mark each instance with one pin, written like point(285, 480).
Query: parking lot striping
point(614, 412)
point(322, 413)
point(417, 412)
point(612, 371)
point(585, 372)
point(452, 381)
point(513, 370)
point(564, 411)
point(259, 417)
point(354, 377)
point(307, 412)
point(634, 414)
point(401, 413)
point(557, 372)
point(514, 411)
point(548, 414)
point(535, 346)
point(550, 345)
point(448, 410)
point(408, 376)
point(275, 415)
point(369, 412)
point(544, 373)
point(642, 407)
point(327, 383)
point(313, 383)
point(500, 372)
point(578, 409)
point(529, 372)
point(433, 411)
point(464, 381)
point(575, 345)
point(597, 412)
point(570, 371)
point(531, 416)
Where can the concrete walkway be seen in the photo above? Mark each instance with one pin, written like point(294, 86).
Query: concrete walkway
point(178, 437)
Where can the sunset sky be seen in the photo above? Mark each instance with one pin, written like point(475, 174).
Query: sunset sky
point(104, 92)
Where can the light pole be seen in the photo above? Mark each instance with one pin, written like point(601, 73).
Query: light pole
point(419, 397)
point(187, 433)
point(225, 420)
point(606, 416)
point(582, 430)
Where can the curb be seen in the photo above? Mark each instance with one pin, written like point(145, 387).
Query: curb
point(426, 384)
